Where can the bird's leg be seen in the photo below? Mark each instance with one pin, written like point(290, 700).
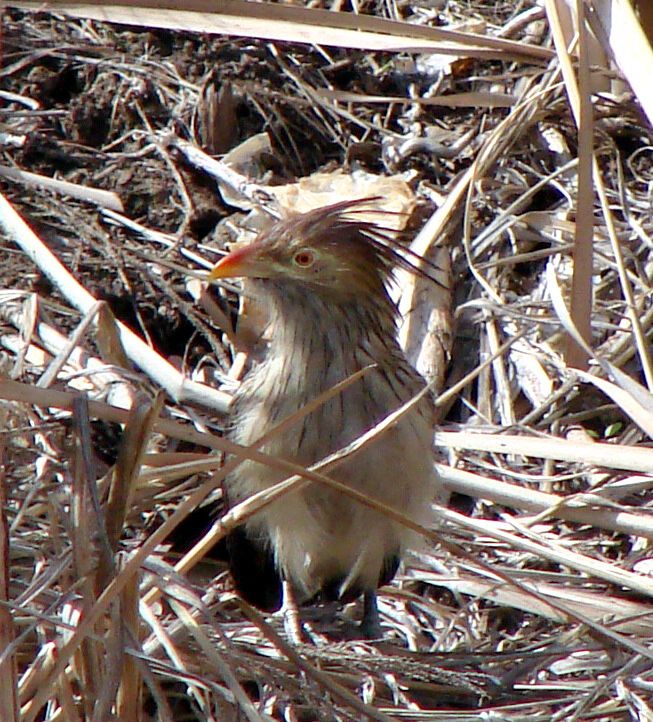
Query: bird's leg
point(371, 624)
point(291, 622)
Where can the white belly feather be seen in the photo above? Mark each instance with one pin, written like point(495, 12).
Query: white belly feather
point(319, 534)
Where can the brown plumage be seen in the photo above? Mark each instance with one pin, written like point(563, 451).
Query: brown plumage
point(322, 277)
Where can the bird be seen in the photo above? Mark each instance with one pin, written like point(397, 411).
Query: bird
point(323, 278)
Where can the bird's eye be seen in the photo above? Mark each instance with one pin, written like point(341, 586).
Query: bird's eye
point(304, 258)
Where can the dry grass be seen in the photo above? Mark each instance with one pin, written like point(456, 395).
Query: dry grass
point(531, 162)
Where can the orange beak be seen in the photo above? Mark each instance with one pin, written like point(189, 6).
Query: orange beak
point(240, 262)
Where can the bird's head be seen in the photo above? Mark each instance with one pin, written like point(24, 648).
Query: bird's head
point(325, 251)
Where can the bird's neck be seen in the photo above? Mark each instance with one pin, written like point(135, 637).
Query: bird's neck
point(315, 343)
point(306, 327)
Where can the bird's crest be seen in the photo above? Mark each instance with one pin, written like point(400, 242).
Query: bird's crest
point(325, 223)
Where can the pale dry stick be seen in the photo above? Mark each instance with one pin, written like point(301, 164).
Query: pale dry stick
point(323, 679)
point(596, 504)
point(130, 691)
point(641, 342)
point(85, 525)
point(616, 612)
point(104, 376)
point(581, 107)
point(249, 190)
point(163, 639)
point(502, 136)
point(25, 393)
point(314, 98)
point(9, 97)
point(180, 388)
point(165, 239)
point(102, 198)
point(482, 409)
point(624, 349)
point(450, 393)
point(477, 99)
point(633, 399)
point(629, 458)
point(433, 229)
point(508, 216)
point(424, 306)
point(172, 472)
point(574, 508)
point(57, 363)
point(303, 25)
point(501, 382)
point(521, 21)
point(212, 655)
point(623, 31)
point(162, 150)
point(579, 94)
point(586, 565)
point(626, 486)
point(8, 667)
point(160, 637)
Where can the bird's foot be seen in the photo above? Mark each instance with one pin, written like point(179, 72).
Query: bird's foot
point(293, 626)
point(292, 622)
point(370, 626)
